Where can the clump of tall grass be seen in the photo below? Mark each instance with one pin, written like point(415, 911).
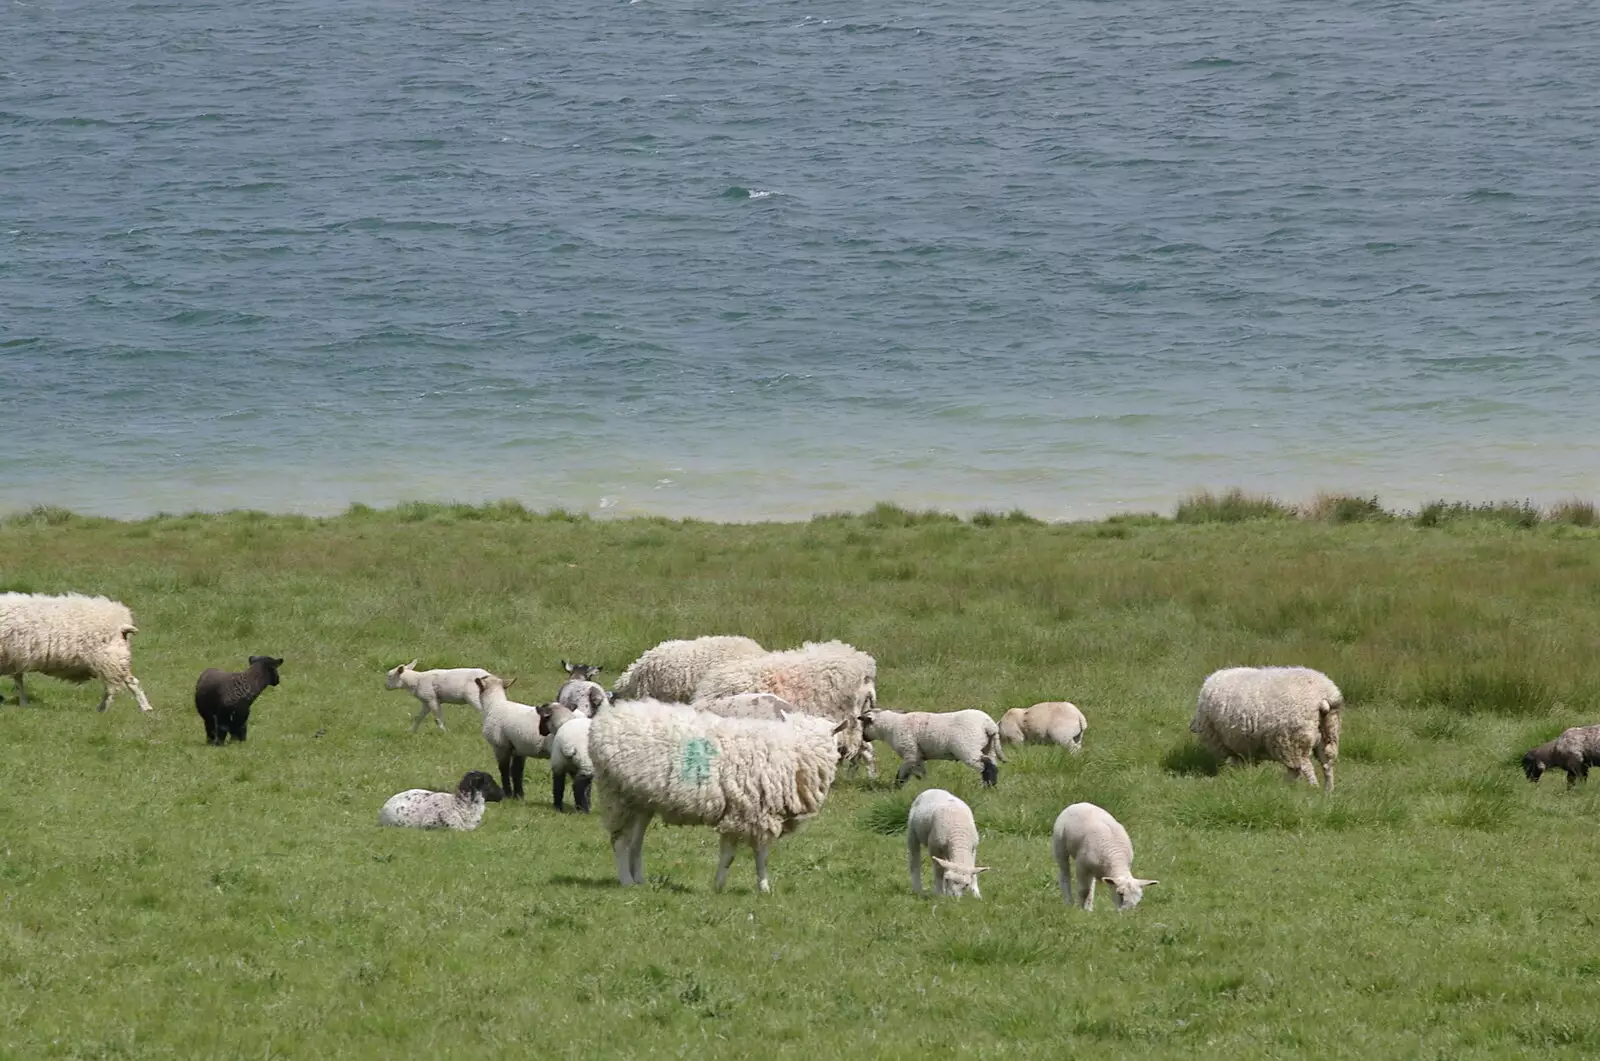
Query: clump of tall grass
point(1508, 513)
point(985, 518)
point(43, 516)
point(1344, 508)
point(1573, 512)
point(1231, 506)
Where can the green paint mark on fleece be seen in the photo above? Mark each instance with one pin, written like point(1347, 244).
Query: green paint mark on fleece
point(696, 765)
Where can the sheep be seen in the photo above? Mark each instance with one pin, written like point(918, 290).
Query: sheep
point(71, 637)
point(1286, 714)
point(673, 669)
point(751, 779)
point(1090, 837)
point(435, 687)
point(747, 705)
point(223, 698)
point(511, 729)
point(830, 679)
point(1577, 749)
point(943, 823)
point(418, 808)
point(566, 734)
point(1053, 722)
point(969, 737)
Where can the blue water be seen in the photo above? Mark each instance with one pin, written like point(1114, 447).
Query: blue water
point(754, 258)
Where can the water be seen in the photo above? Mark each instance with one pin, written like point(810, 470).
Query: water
point(744, 259)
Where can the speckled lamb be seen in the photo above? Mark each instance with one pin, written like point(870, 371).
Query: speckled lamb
point(223, 698)
point(420, 808)
point(1574, 751)
point(1285, 714)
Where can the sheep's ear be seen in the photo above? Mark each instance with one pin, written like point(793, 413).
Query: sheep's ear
point(840, 728)
point(1109, 880)
point(569, 668)
point(413, 664)
point(482, 688)
point(943, 863)
point(277, 663)
point(980, 869)
point(509, 682)
point(597, 698)
point(1145, 883)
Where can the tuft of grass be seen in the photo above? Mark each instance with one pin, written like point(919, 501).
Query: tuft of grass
point(887, 816)
point(1344, 508)
point(1231, 506)
point(1507, 513)
point(1573, 512)
point(1475, 688)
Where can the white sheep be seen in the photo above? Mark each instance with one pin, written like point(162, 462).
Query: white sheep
point(72, 637)
point(1052, 722)
point(1285, 714)
point(830, 679)
point(748, 705)
point(1090, 837)
point(581, 692)
point(752, 780)
point(969, 737)
point(511, 729)
point(457, 685)
point(942, 822)
point(420, 808)
point(673, 669)
point(566, 735)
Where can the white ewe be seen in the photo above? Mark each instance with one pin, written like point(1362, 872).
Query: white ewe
point(1286, 714)
point(71, 637)
point(942, 822)
point(673, 669)
point(457, 685)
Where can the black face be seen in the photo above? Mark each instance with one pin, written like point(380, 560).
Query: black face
point(544, 720)
point(583, 671)
point(1532, 766)
point(479, 783)
point(270, 665)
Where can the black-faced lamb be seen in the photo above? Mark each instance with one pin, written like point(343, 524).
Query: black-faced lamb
point(71, 637)
point(1577, 749)
point(942, 822)
point(1285, 714)
point(223, 698)
point(1088, 837)
point(566, 734)
point(969, 737)
point(511, 729)
point(420, 808)
point(455, 685)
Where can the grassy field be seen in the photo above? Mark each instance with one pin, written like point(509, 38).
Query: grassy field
point(164, 899)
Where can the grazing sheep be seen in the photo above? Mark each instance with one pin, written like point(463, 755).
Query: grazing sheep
point(456, 685)
point(969, 737)
point(748, 705)
point(1574, 751)
point(223, 698)
point(511, 729)
point(419, 808)
point(830, 679)
point(673, 669)
point(1053, 722)
point(1285, 714)
point(71, 637)
point(566, 734)
point(750, 779)
point(1088, 836)
point(943, 823)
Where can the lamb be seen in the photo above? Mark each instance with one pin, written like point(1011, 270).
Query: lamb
point(566, 734)
point(223, 698)
point(1285, 714)
point(750, 779)
point(747, 705)
point(581, 692)
point(969, 737)
point(1090, 837)
point(1053, 722)
point(71, 637)
point(673, 669)
point(435, 687)
point(830, 679)
point(943, 823)
point(511, 729)
point(418, 808)
point(1577, 749)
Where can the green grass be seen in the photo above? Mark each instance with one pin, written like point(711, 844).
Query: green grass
point(163, 899)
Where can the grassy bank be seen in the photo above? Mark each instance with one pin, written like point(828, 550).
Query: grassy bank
point(160, 898)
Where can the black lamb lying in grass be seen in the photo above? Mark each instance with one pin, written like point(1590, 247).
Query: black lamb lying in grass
point(223, 698)
point(1574, 751)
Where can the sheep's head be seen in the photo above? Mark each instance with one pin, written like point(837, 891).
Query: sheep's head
point(269, 666)
point(393, 681)
point(959, 880)
point(478, 783)
point(866, 696)
point(1129, 890)
point(867, 732)
point(1537, 761)
point(545, 711)
point(582, 671)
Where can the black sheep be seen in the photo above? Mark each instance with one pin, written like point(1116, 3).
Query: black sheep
point(223, 698)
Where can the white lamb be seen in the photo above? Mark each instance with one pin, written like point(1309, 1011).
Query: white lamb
point(830, 679)
point(457, 685)
point(72, 637)
point(673, 669)
point(566, 735)
point(511, 729)
point(580, 691)
point(748, 705)
point(1285, 714)
point(1053, 722)
point(969, 737)
point(419, 808)
point(1088, 836)
point(752, 780)
point(942, 822)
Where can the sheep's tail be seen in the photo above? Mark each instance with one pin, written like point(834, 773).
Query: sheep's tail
point(1328, 726)
point(994, 742)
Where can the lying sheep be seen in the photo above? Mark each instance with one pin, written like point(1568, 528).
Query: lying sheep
point(752, 780)
point(71, 637)
point(1574, 751)
point(969, 737)
point(1285, 714)
point(511, 729)
point(566, 734)
point(943, 823)
point(434, 687)
point(1053, 722)
point(747, 705)
point(419, 808)
point(830, 679)
point(673, 669)
point(1088, 836)
point(223, 698)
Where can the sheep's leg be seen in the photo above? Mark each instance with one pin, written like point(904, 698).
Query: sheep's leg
point(914, 862)
point(908, 768)
point(558, 788)
point(241, 722)
point(636, 849)
point(1327, 769)
point(438, 713)
point(871, 760)
point(580, 791)
point(210, 720)
point(105, 697)
point(422, 713)
point(1064, 879)
point(622, 848)
point(762, 884)
point(518, 763)
point(22, 694)
point(1086, 884)
point(503, 757)
point(1304, 772)
point(938, 879)
point(138, 694)
point(730, 845)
